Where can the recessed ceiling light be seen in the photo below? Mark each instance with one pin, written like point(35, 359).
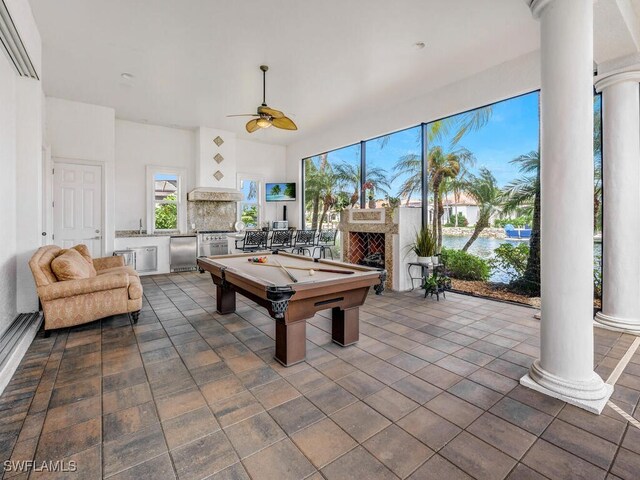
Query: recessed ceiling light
point(419, 45)
point(127, 76)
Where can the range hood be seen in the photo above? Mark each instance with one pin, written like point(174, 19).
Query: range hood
point(215, 167)
point(213, 194)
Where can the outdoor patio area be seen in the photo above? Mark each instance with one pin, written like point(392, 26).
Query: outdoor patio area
point(430, 391)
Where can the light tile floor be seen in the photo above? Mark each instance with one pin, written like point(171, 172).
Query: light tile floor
point(430, 391)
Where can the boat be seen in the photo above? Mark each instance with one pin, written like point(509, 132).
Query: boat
point(514, 233)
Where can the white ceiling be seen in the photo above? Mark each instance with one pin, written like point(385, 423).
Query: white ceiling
point(197, 61)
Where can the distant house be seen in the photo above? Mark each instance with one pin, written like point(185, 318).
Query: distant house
point(453, 205)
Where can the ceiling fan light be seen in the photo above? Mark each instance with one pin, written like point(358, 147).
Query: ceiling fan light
point(263, 123)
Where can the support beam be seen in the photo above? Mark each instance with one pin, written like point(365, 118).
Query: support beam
point(565, 367)
point(621, 200)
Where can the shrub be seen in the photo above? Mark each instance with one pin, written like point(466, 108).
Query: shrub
point(462, 221)
point(597, 277)
point(465, 266)
point(511, 259)
point(517, 222)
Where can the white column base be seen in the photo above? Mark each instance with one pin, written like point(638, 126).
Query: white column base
point(591, 396)
point(617, 324)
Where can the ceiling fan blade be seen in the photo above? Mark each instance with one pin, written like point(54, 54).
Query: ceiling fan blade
point(284, 123)
point(252, 125)
point(245, 115)
point(272, 112)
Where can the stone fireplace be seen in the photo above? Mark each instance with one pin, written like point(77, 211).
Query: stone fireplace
point(367, 238)
point(367, 248)
point(380, 237)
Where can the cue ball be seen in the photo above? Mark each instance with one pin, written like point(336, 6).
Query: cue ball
point(312, 272)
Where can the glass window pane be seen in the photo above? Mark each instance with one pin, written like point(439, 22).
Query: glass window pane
point(394, 168)
point(165, 186)
point(249, 214)
point(483, 167)
point(331, 183)
point(249, 189)
point(166, 216)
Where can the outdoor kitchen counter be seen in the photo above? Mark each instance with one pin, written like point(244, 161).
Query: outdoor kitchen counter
point(135, 234)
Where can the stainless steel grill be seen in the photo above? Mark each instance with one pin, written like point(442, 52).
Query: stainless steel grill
point(212, 242)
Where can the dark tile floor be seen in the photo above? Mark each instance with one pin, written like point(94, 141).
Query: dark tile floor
point(430, 391)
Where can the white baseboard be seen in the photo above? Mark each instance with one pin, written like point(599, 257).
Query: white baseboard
point(14, 344)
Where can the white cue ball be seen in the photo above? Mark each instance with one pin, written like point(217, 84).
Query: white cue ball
point(312, 272)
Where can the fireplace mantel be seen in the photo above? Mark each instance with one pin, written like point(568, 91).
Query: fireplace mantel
point(369, 221)
point(398, 227)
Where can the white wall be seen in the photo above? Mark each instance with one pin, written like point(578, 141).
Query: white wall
point(136, 146)
point(267, 161)
point(21, 167)
point(8, 307)
point(85, 133)
point(29, 192)
point(509, 79)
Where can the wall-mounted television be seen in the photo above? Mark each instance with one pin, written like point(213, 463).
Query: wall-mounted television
point(281, 192)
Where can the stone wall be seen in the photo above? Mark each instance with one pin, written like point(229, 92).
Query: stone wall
point(467, 231)
point(211, 215)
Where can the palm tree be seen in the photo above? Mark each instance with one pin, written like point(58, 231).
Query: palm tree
point(412, 164)
point(525, 192)
point(484, 190)
point(442, 165)
point(319, 178)
point(463, 123)
point(348, 176)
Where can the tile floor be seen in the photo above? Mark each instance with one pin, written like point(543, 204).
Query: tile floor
point(430, 391)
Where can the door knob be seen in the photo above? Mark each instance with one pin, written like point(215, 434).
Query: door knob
point(97, 231)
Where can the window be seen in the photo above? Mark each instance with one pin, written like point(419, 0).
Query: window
point(165, 211)
point(250, 208)
point(331, 183)
point(394, 168)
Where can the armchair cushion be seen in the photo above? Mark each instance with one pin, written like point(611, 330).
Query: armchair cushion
point(71, 288)
point(83, 250)
point(108, 262)
point(71, 265)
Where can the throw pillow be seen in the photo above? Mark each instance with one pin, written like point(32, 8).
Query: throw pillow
point(70, 265)
point(83, 250)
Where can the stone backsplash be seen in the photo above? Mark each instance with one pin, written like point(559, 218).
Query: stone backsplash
point(211, 215)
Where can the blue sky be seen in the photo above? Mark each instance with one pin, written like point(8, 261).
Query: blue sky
point(511, 131)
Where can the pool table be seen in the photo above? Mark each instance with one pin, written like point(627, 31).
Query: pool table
point(291, 303)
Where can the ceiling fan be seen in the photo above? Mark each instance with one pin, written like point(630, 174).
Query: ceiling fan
point(266, 116)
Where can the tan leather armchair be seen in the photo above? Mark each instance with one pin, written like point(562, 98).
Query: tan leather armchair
point(116, 289)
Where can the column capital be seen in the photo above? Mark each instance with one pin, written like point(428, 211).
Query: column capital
point(537, 6)
point(608, 79)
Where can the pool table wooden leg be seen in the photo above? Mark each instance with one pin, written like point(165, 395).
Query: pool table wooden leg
point(225, 300)
point(291, 338)
point(345, 325)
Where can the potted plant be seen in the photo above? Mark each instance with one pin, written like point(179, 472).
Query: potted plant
point(424, 246)
point(369, 186)
point(430, 285)
point(393, 202)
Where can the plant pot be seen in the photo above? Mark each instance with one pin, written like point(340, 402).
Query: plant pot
point(424, 260)
point(435, 260)
point(372, 203)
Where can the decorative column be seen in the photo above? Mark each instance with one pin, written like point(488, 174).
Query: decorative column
point(621, 202)
point(565, 367)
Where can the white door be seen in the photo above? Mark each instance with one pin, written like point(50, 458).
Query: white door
point(77, 206)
